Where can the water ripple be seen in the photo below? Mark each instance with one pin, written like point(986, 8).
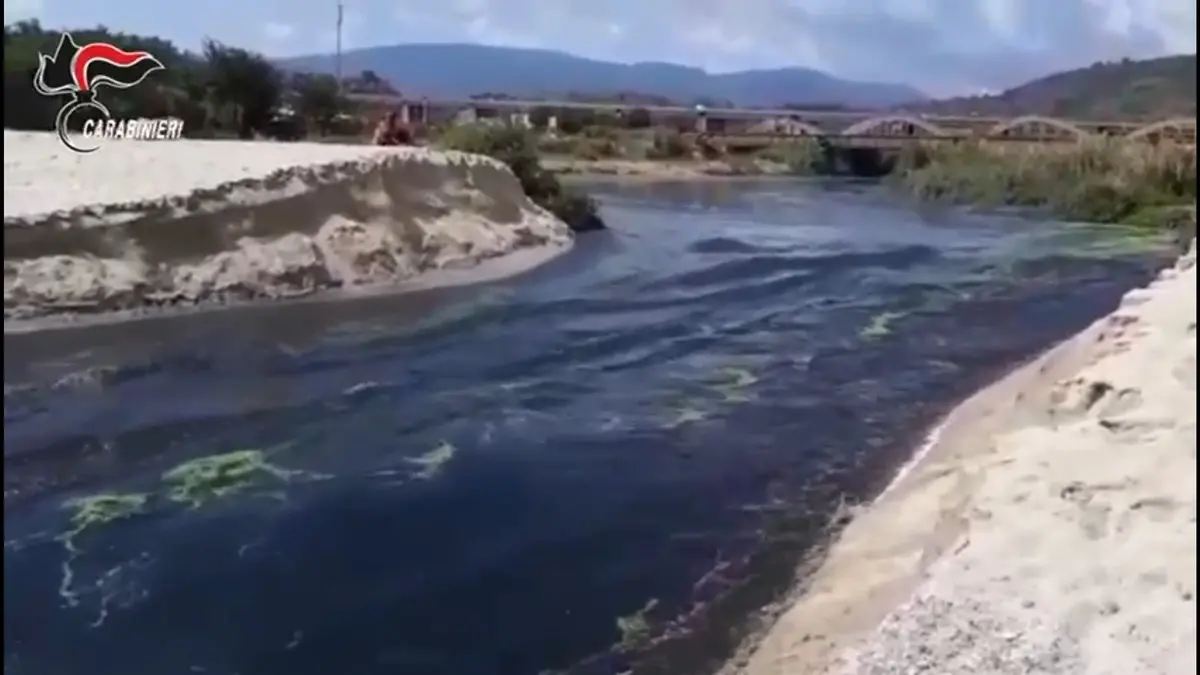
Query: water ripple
point(653, 429)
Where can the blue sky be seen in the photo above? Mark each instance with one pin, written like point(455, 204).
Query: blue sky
point(941, 46)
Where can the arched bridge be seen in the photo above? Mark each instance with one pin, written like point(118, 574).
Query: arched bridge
point(1025, 128)
point(748, 122)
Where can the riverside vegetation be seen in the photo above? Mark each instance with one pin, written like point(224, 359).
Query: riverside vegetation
point(1103, 180)
point(517, 148)
point(1100, 179)
point(1097, 180)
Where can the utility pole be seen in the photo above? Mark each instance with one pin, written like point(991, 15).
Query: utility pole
point(337, 64)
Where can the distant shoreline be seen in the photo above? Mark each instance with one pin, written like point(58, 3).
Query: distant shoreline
point(664, 170)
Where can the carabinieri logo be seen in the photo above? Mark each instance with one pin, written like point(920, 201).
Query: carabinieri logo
point(79, 70)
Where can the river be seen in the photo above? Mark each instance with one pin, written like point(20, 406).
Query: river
point(607, 462)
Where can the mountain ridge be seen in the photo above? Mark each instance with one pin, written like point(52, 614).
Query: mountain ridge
point(461, 70)
point(1142, 88)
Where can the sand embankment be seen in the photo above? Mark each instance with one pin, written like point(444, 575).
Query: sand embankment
point(140, 225)
point(1048, 528)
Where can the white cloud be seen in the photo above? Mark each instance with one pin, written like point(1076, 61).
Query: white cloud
point(946, 46)
point(278, 32)
point(943, 46)
point(19, 10)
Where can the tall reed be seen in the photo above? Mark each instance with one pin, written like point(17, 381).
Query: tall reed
point(1099, 180)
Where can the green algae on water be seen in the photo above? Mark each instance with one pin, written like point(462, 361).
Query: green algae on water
point(881, 325)
point(729, 382)
point(736, 378)
point(686, 415)
point(89, 513)
point(192, 483)
point(733, 383)
point(100, 509)
point(431, 463)
point(680, 410)
point(205, 478)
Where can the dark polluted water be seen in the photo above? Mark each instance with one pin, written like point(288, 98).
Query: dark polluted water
point(602, 464)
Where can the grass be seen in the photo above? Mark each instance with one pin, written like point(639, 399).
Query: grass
point(1096, 180)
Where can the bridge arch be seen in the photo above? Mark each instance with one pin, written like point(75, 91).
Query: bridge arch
point(876, 122)
point(1062, 125)
point(1181, 125)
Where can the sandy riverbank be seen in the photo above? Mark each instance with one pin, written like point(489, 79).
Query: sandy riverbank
point(146, 225)
point(1049, 527)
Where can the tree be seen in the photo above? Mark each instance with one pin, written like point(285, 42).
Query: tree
point(539, 117)
point(606, 119)
point(246, 82)
point(572, 120)
point(318, 99)
point(638, 118)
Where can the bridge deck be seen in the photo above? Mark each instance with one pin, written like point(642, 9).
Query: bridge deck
point(867, 139)
point(869, 125)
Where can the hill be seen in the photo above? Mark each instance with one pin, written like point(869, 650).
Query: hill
point(464, 70)
point(1150, 88)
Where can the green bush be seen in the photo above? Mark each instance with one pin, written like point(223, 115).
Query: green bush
point(600, 131)
point(517, 148)
point(638, 118)
point(580, 147)
point(605, 120)
point(572, 121)
point(597, 148)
